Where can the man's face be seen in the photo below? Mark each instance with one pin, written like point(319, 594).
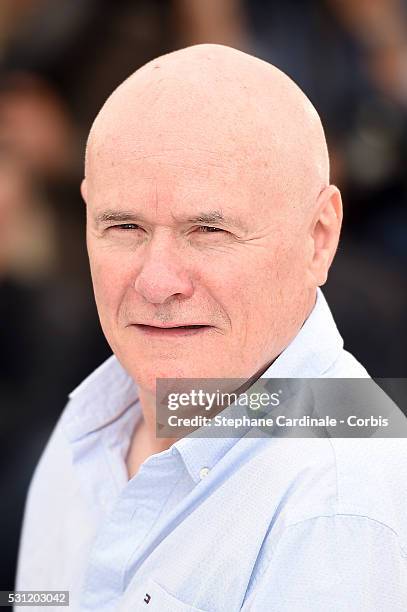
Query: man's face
point(189, 236)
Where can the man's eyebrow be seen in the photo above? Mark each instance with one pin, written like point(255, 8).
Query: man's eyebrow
point(117, 216)
point(216, 216)
point(210, 217)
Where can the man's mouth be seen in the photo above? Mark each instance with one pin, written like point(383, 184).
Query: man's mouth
point(174, 330)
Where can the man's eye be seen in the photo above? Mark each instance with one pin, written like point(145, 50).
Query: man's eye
point(126, 226)
point(206, 229)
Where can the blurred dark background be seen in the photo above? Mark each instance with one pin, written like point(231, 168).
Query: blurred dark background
point(59, 60)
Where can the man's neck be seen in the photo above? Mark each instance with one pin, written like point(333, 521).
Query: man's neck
point(144, 441)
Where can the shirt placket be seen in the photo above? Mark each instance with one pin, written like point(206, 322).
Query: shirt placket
point(124, 533)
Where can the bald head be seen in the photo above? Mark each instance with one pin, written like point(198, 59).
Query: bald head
point(239, 109)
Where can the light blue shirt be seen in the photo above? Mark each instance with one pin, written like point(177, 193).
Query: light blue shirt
point(218, 525)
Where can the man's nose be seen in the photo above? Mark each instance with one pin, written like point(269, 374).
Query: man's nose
point(163, 273)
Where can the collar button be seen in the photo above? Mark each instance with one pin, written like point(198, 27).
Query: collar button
point(203, 472)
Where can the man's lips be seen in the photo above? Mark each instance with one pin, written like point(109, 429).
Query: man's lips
point(172, 330)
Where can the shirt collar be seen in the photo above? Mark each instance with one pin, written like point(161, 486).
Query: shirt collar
point(109, 392)
point(99, 400)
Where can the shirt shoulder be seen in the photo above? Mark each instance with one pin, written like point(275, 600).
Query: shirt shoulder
point(350, 560)
point(337, 504)
point(48, 529)
point(316, 477)
point(371, 474)
point(53, 470)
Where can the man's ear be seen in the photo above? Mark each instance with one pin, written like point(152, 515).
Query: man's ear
point(325, 230)
point(84, 190)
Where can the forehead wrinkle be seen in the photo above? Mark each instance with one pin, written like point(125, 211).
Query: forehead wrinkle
point(133, 153)
point(119, 159)
point(187, 178)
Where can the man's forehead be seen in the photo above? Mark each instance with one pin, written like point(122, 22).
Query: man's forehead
point(151, 165)
point(150, 150)
point(179, 191)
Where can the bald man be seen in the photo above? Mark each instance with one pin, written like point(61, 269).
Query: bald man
point(211, 225)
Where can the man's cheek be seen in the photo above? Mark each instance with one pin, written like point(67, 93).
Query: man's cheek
point(107, 294)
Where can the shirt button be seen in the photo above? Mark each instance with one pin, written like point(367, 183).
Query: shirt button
point(203, 472)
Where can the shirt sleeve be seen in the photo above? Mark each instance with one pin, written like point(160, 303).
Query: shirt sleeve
point(337, 563)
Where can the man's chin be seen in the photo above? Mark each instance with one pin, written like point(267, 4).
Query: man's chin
point(147, 379)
